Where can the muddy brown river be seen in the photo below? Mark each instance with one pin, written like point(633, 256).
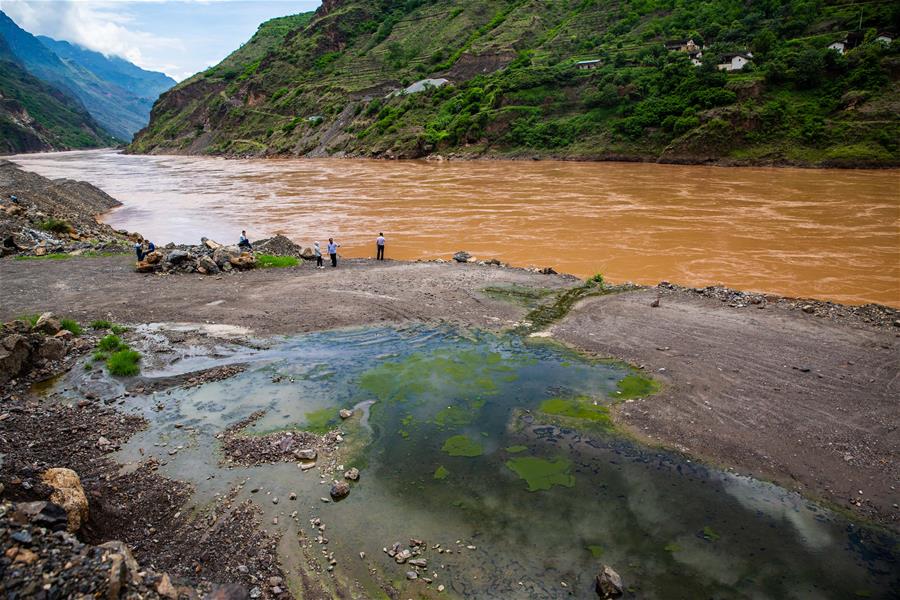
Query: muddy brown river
point(831, 234)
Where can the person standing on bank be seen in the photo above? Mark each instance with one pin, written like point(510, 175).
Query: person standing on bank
point(379, 247)
point(332, 251)
point(318, 252)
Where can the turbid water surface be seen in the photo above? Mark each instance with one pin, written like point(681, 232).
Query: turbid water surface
point(501, 449)
point(832, 234)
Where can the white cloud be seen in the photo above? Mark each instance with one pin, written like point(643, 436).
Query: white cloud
point(106, 26)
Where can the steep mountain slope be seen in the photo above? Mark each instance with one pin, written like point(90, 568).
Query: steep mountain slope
point(119, 109)
point(35, 116)
point(515, 88)
point(117, 71)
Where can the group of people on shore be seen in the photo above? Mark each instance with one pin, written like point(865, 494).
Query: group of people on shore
point(332, 247)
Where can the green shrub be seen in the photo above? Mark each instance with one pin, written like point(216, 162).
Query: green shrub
point(99, 356)
point(100, 324)
point(56, 226)
point(71, 325)
point(267, 261)
point(118, 329)
point(124, 363)
point(596, 279)
point(111, 343)
point(88, 366)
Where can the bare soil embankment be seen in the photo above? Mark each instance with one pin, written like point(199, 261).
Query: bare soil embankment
point(809, 401)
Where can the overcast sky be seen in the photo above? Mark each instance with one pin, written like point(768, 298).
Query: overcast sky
point(177, 37)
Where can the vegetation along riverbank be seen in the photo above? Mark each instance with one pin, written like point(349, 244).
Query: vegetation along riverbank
point(149, 430)
point(779, 83)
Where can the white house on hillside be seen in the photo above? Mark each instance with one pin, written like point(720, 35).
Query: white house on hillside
point(584, 65)
point(839, 47)
point(734, 62)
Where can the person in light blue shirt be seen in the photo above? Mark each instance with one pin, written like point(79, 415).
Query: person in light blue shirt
point(332, 251)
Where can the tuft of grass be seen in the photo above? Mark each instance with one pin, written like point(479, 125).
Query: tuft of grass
point(268, 261)
point(56, 226)
point(71, 325)
point(30, 319)
point(118, 329)
point(88, 366)
point(100, 324)
point(124, 363)
point(99, 355)
point(111, 343)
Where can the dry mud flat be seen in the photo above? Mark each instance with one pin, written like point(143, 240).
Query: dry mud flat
point(808, 401)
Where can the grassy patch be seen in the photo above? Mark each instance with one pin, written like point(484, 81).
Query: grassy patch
point(581, 407)
point(71, 325)
point(321, 421)
point(124, 363)
point(636, 386)
point(542, 474)
point(100, 324)
point(56, 226)
point(268, 261)
point(53, 256)
point(460, 445)
point(111, 343)
point(441, 473)
point(30, 319)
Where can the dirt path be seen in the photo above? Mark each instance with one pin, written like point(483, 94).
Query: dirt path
point(810, 402)
point(782, 395)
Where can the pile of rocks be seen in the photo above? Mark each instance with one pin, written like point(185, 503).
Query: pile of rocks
point(211, 258)
point(41, 558)
point(302, 447)
point(875, 315)
point(25, 348)
point(49, 217)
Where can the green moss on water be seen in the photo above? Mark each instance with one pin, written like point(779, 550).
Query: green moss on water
point(710, 534)
point(516, 449)
point(595, 550)
point(455, 416)
point(580, 407)
point(672, 547)
point(636, 386)
point(441, 473)
point(518, 294)
point(542, 474)
point(460, 445)
point(321, 421)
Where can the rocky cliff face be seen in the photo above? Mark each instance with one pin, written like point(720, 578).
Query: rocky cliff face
point(510, 85)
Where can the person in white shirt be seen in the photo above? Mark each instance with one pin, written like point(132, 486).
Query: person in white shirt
point(243, 242)
point(318, 252)
point(379, 247)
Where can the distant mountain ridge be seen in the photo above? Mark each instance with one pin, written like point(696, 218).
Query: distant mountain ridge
point(118, 94)
point(36, 117)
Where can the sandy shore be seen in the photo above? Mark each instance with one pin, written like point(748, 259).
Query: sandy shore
point(806, 401)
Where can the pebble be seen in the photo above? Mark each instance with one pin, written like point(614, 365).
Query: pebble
point(411, 575)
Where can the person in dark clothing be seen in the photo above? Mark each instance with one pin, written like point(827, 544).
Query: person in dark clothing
point(244, 242)
point(332, 251)
point(379, 247)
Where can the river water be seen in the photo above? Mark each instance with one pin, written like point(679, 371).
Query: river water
point(470, 444)
point(832, 234)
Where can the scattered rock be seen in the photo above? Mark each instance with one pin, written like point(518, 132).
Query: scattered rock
point(609, 583)
point(340, 490)
point(346, 413)
point(412, 575)
point(462, 256)
point(352, 474)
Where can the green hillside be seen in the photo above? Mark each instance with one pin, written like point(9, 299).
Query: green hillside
point(326, 85)
point(36, 117)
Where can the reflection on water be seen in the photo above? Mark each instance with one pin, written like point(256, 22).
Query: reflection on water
point(456, 416)
point(830, 234)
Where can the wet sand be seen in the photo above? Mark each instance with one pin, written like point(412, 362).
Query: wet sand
point(737, 389)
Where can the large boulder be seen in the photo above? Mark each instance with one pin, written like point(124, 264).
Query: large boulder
point(208, 265)
point(177, 256)
point(308, 254)
point(609, 583)
point(243, 262)
point(462, 256)
point(15, 352)
point(212, 245)
point(153, 258)
point(224, 254)
point(340, 490)
point(47, 323)
point(145, 267)
point(53, 348)
point(68, 493)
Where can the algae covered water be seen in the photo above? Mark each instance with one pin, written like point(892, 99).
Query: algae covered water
point(501, 449)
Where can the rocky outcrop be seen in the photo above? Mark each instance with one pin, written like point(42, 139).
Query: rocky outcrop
point(24, 347)
point(68, 493)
